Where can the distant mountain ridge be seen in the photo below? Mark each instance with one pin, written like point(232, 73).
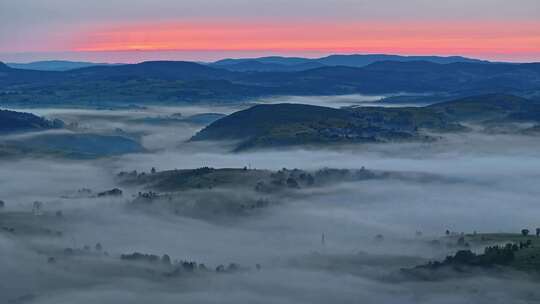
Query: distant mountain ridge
point(180, 81)
point(54, 65)
point(257, 66)
point(276, 63)
point(364, 60)
point(4, 67)
point(268, 59)
point(166, 70)
point(260, 64)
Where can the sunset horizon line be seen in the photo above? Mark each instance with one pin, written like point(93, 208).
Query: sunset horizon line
point(139, 56)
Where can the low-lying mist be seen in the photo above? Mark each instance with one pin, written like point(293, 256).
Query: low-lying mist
point(340, 243)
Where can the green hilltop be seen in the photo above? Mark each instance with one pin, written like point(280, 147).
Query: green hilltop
point(264, 126)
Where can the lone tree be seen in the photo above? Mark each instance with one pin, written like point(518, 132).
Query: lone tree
point(292, 183)
point(37, 208)
point(2, 204)
point(220, 268)
point(166, 259)
point(525, 232)
point(537, 232)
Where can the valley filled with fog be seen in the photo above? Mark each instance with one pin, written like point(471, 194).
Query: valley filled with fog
point(339, 239)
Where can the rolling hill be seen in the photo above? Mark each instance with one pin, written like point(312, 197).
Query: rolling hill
point(258, 66)
point(280, 64)
point(12, 122)
point(162, 70)
point(173, 82)
point(414, 76)
point(73, 145)
point(356, 60)
point(53, 65)
point(264, 126)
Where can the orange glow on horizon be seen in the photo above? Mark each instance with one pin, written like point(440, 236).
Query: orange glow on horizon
point(463, 38)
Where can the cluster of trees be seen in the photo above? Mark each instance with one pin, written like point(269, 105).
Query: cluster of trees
point(175, 175)
point(85, 250)
point(84, 191)
point(81, 193)
point(190, 267)
point(297, 178)
point(135, 174)
point(152, 258)
point(112, 192)
point(8, 229)
point(150, 195)
point(293, 179)
point(260, 203)
point(525, 232)
point(493, 255)
point(181, 266)
point(98, 248)
point(331, 175)
point(165, 259)
point(201, 171)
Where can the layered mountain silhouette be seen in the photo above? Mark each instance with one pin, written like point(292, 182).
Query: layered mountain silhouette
point(54, 65)
point(276, 63)
point(178, 81)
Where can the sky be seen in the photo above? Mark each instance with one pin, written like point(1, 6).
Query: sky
point(205, 30)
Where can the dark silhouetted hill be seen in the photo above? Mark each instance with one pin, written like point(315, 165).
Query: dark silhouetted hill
point(54, 65)
point(295, 124)
point(257, 66)
point(277, 63)
point(172, 82)
point(11, 121)
point(163, 70)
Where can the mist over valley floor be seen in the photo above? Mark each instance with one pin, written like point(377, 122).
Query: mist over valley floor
point(164, 218)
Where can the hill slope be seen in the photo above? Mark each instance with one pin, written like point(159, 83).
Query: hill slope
point(53, 65)
point(169, 81)
point(261, 119)
point(276, 63)
point(11, 121)
point(484, 107)
point(295, 124)
point(257, 66)
point(165, 70)
point(416, 76)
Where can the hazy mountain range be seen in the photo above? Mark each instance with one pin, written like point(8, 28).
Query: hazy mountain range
point(277, 63)
point(54, 65)
point(179, 81)
point(261, 64)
